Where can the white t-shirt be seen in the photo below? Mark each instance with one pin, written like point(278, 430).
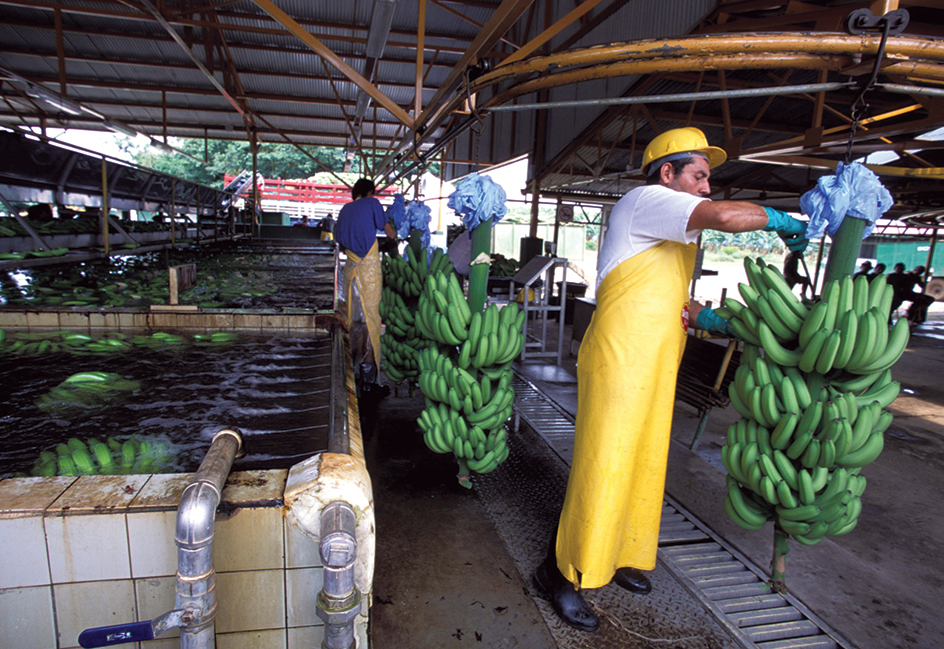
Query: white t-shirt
point(642, 219)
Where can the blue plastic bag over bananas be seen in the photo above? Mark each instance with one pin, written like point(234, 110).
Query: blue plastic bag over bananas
point(852, 191)
point(478, 199)
point(812, 405)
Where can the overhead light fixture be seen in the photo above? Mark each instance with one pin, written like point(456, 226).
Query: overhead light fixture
point(118, 127)
point(380, 21)
point(60, 103)
point(360, 108)
point(162, 146)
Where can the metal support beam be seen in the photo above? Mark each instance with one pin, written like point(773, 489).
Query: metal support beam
point(308, 39)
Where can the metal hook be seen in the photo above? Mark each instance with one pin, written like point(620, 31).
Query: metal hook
point(858, 22)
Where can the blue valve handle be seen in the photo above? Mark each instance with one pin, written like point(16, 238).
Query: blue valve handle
point(105, 636)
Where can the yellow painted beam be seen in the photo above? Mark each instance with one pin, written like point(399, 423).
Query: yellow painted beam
point(925, 173)
point(324, 52)
point(900, 49)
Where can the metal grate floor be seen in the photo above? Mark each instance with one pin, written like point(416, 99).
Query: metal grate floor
point(728, 584)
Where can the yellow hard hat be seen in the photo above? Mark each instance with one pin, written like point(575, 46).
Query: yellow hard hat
point(681, 140)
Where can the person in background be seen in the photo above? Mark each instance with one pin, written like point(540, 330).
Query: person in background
point(362, 281)
point(864, 269)
point(327, 228)
point(878, 270)
point(40, 213)
point(920, 301)
point(791, 270)
point(303, 223)
point(627, 368)
point(897, 279)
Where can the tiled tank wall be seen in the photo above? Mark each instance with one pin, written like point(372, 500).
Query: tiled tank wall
point(168, 318)
point(95, 551)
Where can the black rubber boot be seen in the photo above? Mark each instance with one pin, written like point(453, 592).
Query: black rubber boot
point(567, 602)
point(633, 580)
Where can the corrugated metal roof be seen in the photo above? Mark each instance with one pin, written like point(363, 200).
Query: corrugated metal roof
point(122, 63)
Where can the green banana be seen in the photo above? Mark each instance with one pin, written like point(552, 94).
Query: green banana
point(774, 350)
point(811, 353)
point(814, 322)
point(897, 341)
point(865, 454)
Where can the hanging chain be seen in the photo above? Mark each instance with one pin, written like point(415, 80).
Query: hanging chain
point(478, 125)
point(859, 22)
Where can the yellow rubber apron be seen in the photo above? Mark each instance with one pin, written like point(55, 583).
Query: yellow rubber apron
point(626, 372)
point(362, 283)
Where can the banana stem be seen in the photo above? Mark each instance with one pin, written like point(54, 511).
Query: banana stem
point(463, 476)
point(478, 273)
point(415, 241)
point(778, 565)
point(845, 249)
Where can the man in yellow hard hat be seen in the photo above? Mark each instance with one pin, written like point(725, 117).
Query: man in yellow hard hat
point(627, 368)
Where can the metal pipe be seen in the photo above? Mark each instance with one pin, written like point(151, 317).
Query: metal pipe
point(339, 601)
point(911, 90)
point(196, 578)
point(681, 96)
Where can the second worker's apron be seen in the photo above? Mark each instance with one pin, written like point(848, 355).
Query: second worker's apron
point(626, 372)
point(361, 286)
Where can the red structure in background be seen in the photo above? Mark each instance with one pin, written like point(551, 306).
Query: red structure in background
point(303, 191)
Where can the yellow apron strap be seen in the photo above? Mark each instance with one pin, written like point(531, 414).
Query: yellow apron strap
point(366, 275)
point(626, 372)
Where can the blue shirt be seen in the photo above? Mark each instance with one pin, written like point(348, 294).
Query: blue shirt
point(358, 223)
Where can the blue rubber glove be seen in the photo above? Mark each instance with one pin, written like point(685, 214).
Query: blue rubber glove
point(791, 230)
point(796, 243)
point(782, 223)
point(713, 323)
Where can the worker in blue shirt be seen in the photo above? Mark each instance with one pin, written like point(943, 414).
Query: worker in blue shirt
point(362, 281)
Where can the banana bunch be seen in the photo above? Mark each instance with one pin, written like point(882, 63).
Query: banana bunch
point(94, 457)
point(485, 339)
point(463, 415)
point(84, 390)
point(443, 314)
point(847, 330)
point(812, 405)
point(401, 342)
point(408, 276)
point(502, 266)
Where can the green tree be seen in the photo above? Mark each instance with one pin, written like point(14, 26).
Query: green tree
point(227, 157)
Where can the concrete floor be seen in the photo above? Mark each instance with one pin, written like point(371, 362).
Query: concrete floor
point(445, 576)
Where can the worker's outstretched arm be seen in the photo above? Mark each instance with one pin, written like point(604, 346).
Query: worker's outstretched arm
point(741, 216)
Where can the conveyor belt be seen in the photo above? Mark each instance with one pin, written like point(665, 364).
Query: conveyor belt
point(728, 584)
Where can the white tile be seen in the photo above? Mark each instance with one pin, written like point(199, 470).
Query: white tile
point(26, 618)
point(301, 550)
point(153, 551)
point(90, 605)
point(301, 595)
point(23, 553)
point(305, 637)
point(250, 601)
point(155, 597)
point(271, 639)
point(232, 552)
point(87, 548)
